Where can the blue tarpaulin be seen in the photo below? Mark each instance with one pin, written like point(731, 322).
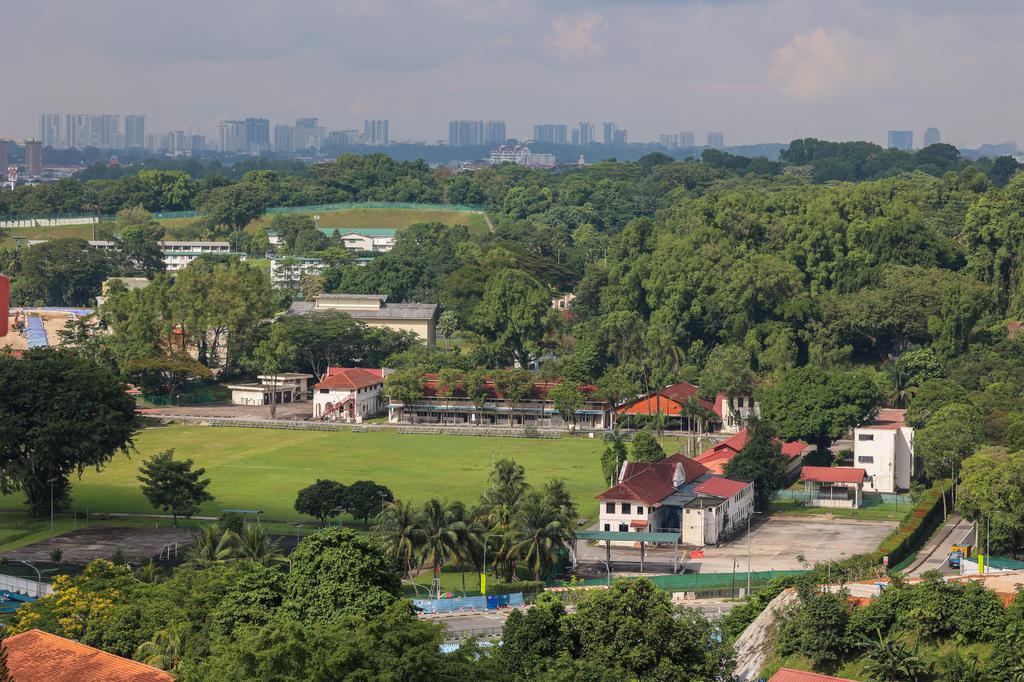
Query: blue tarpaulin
point(493, 601)
point(34, 332)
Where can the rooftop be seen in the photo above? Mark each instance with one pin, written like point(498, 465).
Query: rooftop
point(649, 482)
point(351, 378)
point(888, 418)
point(791, 675)
point(720, 487)
point(716, 457)
point(38, 655)
point(832, 474)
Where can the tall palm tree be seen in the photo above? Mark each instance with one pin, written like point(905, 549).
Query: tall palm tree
point(557, 496)
point(254, 544)
point(399, 527)
point(164, 650)
point(213, 546)
point(443, 532)
point(470, 550)
point(539, 531)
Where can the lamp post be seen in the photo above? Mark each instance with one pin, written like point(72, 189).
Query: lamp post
point(382, 495)
point(51, 503)
point(748, 548)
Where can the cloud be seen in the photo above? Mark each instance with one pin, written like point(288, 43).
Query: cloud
point(576, 39)
point(813, 65)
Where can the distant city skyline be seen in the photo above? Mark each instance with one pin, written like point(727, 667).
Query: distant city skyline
point(769, 71)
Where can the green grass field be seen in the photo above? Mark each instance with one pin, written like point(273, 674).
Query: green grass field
point(264, 468)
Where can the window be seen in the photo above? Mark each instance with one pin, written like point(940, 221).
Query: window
point(865, 436)
point(640, 510)
point(607, 527)
point(627, 508)
point(865, 459)
point(609, 507)
point(325, 390)
point(623, 528)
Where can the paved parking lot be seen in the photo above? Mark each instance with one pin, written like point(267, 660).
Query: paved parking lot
point(775, 544)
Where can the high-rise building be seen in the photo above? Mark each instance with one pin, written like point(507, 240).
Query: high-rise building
point(554, 133)
point(375, 131)
point(686, 140)
point(309, 122)
point(3, 159)
point(716, 140)
point(932, 136)
point(134, 130)
point(901, 139)
point(609, 133)
point(231, 137)
point(50, 133)
point(668, 140)
point(583, 134)
point(494, 132)
point(34, 157)
point(465, 133)
point(257, 135)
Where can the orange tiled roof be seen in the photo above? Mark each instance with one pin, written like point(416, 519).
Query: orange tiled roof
point(351, 378)
point(38, 655)
point(790, 675)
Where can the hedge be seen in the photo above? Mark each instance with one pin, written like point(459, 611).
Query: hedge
point(524, 586)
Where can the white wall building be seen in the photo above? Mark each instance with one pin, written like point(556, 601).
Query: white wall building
point(520, 155)
point(283, 388)
point(349, 394)
point(736, 412)
point(177, 254)
point(721, 508)
point(885, 450)
point(286, 272)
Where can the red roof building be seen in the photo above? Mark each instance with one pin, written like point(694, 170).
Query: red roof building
point(791, 675)
point(37, 655)
point(349, 394)
point(716, 457)
point(721, 487)
point(832, 474)
point(833, 487)
point(351, 378)
point(671, 401)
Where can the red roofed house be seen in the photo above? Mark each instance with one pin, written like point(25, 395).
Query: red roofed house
point(439, 404)
point(671, 401)
point(791, 675)
point(38, 655)
point(349, 394)
point(721, 507)
point(652, 496)
point(717, 456)
point(833, 487)
point(885, 449)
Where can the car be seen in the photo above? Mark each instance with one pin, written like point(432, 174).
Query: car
point(954, 559)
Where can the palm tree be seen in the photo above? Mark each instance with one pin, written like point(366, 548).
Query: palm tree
point(470, 551)
point(443, 533)
point(399, 526)
point(213, 546)
point(888, 660)
point(252, 543)
point(539, 531)
point(164, 650)
point(557, 496)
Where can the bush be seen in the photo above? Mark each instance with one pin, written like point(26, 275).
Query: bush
point(524, 586)
point(737, 620)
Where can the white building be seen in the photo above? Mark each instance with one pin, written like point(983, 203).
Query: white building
point(520, 155)
point(736, 411)
point(676, 494)
point(287, 272)
point(177, 255)
point(349, 394)
point(885, 450)
point(283, 388)
point(377, 240)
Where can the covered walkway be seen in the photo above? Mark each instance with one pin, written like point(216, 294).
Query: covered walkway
point(608, 537)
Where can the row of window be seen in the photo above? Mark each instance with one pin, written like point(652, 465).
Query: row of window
point(623, 528)
point(609, 508)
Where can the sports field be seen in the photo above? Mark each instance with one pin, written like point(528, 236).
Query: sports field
point(264, 468)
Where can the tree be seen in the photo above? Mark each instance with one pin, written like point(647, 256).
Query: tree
point(646, 448)
point(405, 386)
point(235, 206)
point(172, 485)
point(515, 314)
point(400, 530)
point(138, 242)
point(568, 400)
point(992, 495)
point(271, 357)
point(253, 544)
point(447, 325)
point(337, 573)
point(951, 436)
point(541, 529)
point(931, 395)
point(443, 532)
point(165, 650)
point(761, 461)
point(514, 385)
point(889, 660)
point(213, 546)
point(58, 272)
point(166, 373)
point(613, 456)
point(816, 406)
point(727, 371)
point(363, 499)
point(322, 500)
point(96, 420)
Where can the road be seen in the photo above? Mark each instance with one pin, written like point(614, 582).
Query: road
point(955, 531)
point(489, 623)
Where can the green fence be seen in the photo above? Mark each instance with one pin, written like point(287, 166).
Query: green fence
point(375, 204)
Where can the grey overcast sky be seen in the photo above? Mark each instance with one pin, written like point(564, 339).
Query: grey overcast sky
point(758, 71)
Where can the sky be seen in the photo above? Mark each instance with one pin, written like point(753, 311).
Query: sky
point(759, 71)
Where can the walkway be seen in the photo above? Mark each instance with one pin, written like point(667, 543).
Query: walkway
point(953, 531)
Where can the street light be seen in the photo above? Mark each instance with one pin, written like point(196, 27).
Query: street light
point(382, 496)
point(52, 480)
point(748, 549)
